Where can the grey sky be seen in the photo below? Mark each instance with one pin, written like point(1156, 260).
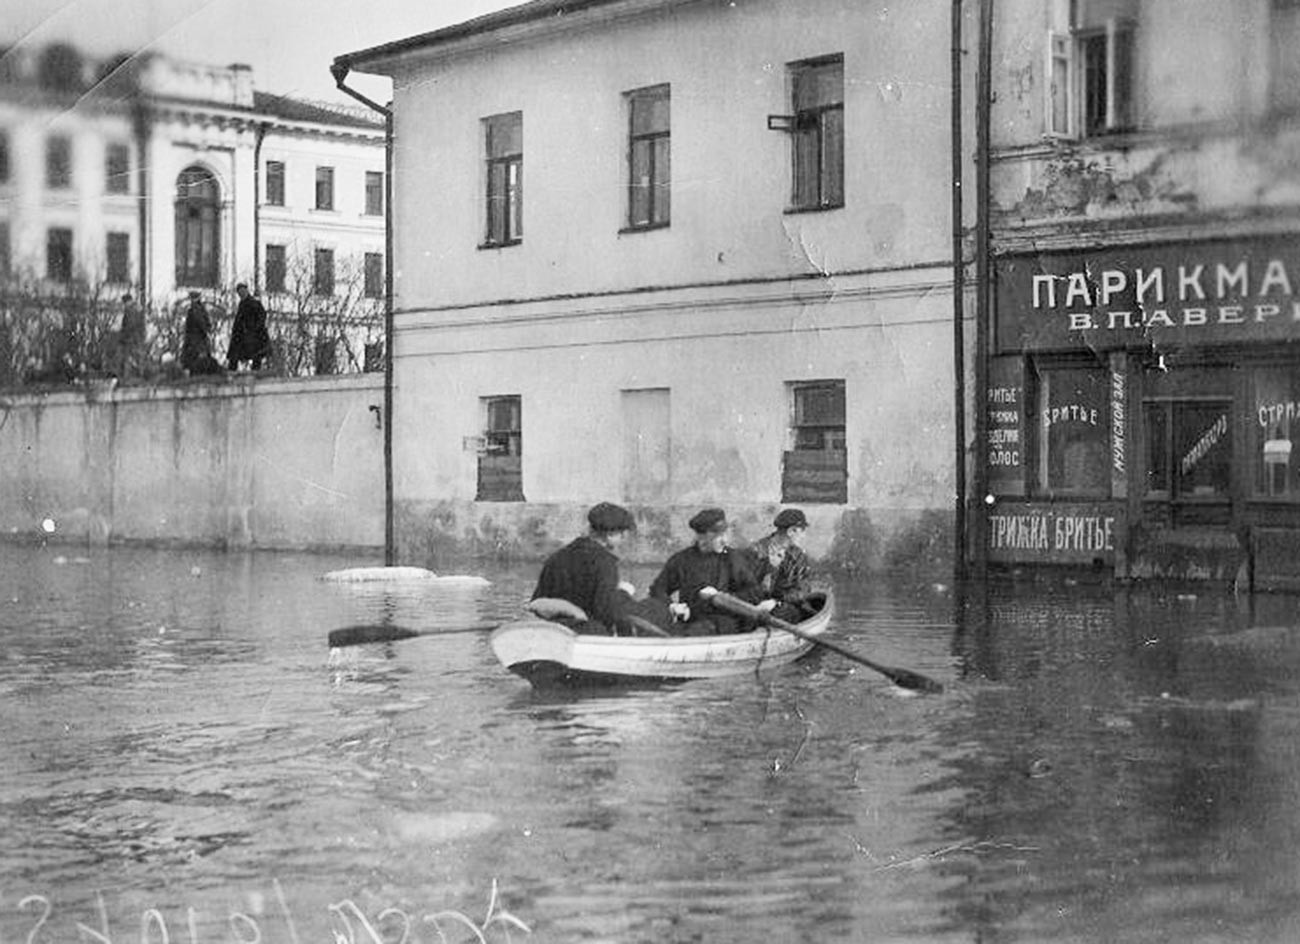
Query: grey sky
point(289, 43)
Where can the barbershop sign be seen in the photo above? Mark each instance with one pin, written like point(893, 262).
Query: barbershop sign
point(1054, 533)
point(1177, 294)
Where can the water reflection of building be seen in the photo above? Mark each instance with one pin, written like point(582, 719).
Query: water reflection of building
point(1143, 375)
point(155, 176)
point(729, 283)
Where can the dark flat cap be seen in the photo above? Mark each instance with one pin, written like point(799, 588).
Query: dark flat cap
point(791, 518)
point(710, 519)
point(610, 517)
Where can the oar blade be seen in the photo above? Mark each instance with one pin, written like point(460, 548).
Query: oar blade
point(914, 680)
point(366, 634)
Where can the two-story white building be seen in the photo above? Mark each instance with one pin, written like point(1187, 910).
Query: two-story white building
point(156, 177)
point(1144, 332)
point(674, 253)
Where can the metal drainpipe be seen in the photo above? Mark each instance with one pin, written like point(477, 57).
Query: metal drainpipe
point(984, 288)
point(257, 206)
point(340, 73)
point(958, 301)
point(140, 122)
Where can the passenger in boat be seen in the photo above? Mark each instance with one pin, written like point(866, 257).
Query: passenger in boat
point(782, 568)
point(585, 573)
point(708, 562)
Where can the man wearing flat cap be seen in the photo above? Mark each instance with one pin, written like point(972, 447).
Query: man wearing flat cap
point(585, 572)
point(708, 562)
point(781, 565)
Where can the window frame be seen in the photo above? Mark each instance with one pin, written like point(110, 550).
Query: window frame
point(816, 474)
point(58, 162)
point(324, 188)
point(374, 196)
point(117, 257)
point(1283, 99)
point(275, 177)
point(1038, 449)
point(198, 219)
point(650, 148)
point(59, 254)
point(504, 182)
point(6, 169)
point(275, 270)
point(500, 461)
point(372, 275)
point(323, 273)
point(817, 173)
point(1069, 108)
point(117, 168)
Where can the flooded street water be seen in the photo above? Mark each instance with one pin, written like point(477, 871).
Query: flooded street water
point(186, 760)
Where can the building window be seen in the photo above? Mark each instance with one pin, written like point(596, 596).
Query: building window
point(1274, 431)
point(6, 253)
point(374, 275)
point(1090, 89)
point(815, 468)
point(649, 158)
point(504, 136)
point(1072, 431)
point(324, 188)
point(58, 255)
point(4, 156)
point(374, 193)
point(198, 227)
point(500, 468)
point(58, 163)
point(817, 133)
point(117, 168)
point(275, 268)
point(1284, 40)
point(275, 183)
point(322, 282)
point(1189, 448)
point(118, 253)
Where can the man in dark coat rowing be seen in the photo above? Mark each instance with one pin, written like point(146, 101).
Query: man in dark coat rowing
point(585, 573)
point(708, 562)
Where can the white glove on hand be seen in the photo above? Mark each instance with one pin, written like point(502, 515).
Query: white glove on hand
point(708, 593)
point(627, 588)
point(767, 606)
point(681, 612)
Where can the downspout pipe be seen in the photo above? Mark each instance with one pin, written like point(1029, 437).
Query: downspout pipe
point(340, 72)
point(140, 120)
point(262, 128)
point(958, 301)
point(984, 287)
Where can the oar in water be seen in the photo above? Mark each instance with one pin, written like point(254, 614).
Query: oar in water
point(381, 632)
point(903, 678)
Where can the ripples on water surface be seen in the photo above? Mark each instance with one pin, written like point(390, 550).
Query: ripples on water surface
point(183, 753)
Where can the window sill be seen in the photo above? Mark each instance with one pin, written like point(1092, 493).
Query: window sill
point(793, 211)
point(501, 245)
point(643, 228)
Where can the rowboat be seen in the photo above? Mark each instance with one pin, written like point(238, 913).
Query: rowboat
point(548, 654)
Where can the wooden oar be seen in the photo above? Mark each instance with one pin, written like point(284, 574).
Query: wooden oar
point(903, 678)
point(381, 632)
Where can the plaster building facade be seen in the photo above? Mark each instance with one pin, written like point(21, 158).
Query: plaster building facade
point(1143, 373)
point(158, 177)
point(673, 253)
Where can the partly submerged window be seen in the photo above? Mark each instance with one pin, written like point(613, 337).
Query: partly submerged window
point(815, 467)
point(500, 464)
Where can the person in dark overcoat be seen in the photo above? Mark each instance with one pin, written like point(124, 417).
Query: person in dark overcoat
point(708, 562)
point(782, 567)
point(196, 346)
point(249, 339)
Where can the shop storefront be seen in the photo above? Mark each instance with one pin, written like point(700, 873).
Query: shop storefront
point(1141, 407)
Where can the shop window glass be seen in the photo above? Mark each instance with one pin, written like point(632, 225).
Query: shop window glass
point(1073, 426)
point(1189, 448)
point(1275, 430)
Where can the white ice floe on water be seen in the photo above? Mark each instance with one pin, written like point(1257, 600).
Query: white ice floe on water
point(400, 574)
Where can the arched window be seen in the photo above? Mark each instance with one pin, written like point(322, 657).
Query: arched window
point(198, 228)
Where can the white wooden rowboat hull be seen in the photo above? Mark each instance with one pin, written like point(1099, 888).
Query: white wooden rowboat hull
point(547, 653)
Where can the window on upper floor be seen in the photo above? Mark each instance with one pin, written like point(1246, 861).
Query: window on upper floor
point(504, 148)
point(1284, 39)
point(275, 267)
point(4, 156)
point(58, 163)
point(117, 168)
point(6, 253)
point(322, 282)
point(117, 250)
point(1090, 63)
point(816, 128)
point(198, 227)
point(275, 183)
point(58, 254)
point(374, 275)
point(324, 188)
point(374, 193)
point(649, 159)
